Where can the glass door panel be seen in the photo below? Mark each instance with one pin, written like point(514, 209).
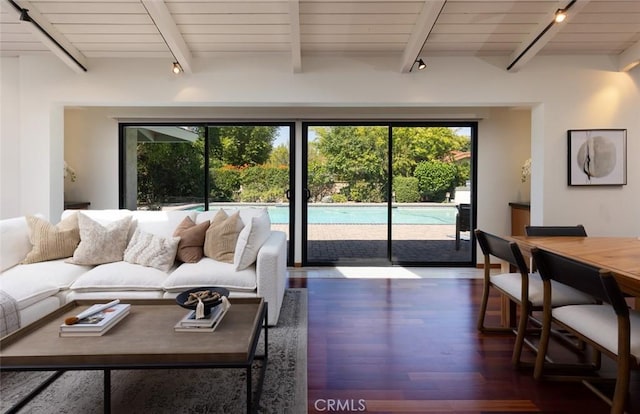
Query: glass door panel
point(431, 195)
point(346, 213)
point(249, 164)
point(162, 167)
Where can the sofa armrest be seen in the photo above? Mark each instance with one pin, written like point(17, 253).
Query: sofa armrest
point(271, 272)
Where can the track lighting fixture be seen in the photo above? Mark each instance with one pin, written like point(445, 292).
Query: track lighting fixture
point(560, 16)
point(421, 64)
point(177, 69)
point(24, 15)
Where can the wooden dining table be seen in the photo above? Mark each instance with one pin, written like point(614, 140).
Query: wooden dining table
point(619, 255)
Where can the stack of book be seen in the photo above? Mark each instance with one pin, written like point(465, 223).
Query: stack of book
point(98, 323)
point(207, 324)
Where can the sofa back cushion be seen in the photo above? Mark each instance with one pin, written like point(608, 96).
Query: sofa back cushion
point(161, 223)
point(14, 241)
point(246, 214)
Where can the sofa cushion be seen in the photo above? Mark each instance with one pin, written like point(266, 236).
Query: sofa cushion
point(100, 244)
point(151, 250)
point(120, 276)
point(209, 272)
point(250, 239)
point(14, 242)
point(222, 236)
point(52, 242)
point(246, 214)
point(103, 217)
point(190, 248)
point(31, 283)
point(161, 223)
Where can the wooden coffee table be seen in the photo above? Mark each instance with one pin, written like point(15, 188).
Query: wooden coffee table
point(144, 339)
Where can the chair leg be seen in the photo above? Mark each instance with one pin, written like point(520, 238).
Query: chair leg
point(542, 346)
point(622, 387)
point(483, 307)
point(520, 335)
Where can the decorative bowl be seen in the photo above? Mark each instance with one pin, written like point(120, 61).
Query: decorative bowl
point(183, 298)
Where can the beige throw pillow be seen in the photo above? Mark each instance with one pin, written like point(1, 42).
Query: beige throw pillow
point(100, 244)
point(52, 242)
point(149, 250)
point(222, 236)
point(190, 248)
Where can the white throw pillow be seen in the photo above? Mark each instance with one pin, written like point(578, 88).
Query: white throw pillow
point(149, 250)
point(250, 239)
point(100, 244)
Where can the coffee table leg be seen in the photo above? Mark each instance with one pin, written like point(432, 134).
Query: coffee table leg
point(107, 391)
point(249, 399)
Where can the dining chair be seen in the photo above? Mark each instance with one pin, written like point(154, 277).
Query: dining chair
point(521, 287)
point(610, 327)
point(578, 230)
point(463, 221)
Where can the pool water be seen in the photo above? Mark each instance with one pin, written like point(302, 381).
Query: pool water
point(369, 215)
point(365, 214)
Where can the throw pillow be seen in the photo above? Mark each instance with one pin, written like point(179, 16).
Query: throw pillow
point(150, 250)
point(251, 238)
point(100, 244)
point(190, 248)
point(52, 242)
point(222, 235)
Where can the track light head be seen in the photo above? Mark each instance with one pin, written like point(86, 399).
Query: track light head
point(177, 69)
point(421, 64)
point(24, 15)
point(560, 16)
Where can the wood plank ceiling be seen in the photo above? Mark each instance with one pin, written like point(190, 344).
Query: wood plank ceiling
point(294, 29)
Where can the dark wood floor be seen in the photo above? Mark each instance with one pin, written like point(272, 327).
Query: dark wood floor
point(411, 346)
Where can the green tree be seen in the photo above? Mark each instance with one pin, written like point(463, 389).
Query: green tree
point(169, 172)
point(279, 156)
point(356, 155)
point(412, 145)
point(242, 145)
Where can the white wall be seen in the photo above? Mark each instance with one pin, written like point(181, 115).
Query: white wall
point(562, 92)
point(10, 194)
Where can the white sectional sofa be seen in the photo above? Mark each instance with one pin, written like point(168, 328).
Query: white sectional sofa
point(39, 288)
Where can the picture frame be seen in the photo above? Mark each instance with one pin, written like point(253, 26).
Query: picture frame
point(597, 157)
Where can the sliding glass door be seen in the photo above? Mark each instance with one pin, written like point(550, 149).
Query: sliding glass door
point(431, 195)
point(347, 193)
point(395, 193)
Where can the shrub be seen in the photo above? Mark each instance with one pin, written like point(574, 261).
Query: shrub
point(406, 189)
point(264, 184)
point(339, 198)
point(365, 192)
point(435, 179)
point(225, 183)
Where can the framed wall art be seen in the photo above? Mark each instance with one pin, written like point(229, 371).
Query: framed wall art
point(597, 157)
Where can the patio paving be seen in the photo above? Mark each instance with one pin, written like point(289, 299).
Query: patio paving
point(364, 243)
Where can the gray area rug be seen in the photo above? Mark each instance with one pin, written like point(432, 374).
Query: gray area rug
point(182, 391)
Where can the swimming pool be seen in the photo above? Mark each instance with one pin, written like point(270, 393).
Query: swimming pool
point(367, 214)
point(370, 215)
